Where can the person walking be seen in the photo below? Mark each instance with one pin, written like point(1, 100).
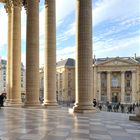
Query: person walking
point(2, 99)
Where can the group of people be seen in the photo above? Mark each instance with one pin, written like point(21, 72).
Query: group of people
point(130, 108)
point(2, 99)
point(116, 107)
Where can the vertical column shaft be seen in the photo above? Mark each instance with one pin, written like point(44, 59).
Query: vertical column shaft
point(50, 54)
point(94, 83)
point(32, 53)
point(16, 53)
point(122, 86)
point(99, 86)
point(133, 86)
point(84, 61)
point(8, 8)
point(108, 86)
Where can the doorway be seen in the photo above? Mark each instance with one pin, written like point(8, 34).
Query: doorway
point(115, 96)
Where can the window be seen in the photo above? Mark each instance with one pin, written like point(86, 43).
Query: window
point(4, 78)
point(127, 83)
point(4, 73)
point(115, 82)
point(21, 79)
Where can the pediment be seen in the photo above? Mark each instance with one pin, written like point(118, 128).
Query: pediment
point(118, 61)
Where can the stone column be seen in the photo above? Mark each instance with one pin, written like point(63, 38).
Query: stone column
point(16, 53)
point(32, 53)
point(122, 87)
point(134, 86)
point(99, 87)
point(50, 54)
point(84, 61)
point(109, 86)
point(8, 8)
point(95, 82)
point(137, 117)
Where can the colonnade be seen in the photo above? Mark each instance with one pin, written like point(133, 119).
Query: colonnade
point(122, 86)
point(84, 62)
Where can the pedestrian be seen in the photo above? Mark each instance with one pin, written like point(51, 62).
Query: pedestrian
point(122, 108)
point(117, 107)
point(133, 107)
point(94, 102)
point(2, 99)
point(100, 107)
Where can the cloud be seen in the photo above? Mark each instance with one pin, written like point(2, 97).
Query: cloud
point(64, 8)
point(66, 34)
point(102, 47)
point(3, 27)
point(67, 52)
point(114, 9)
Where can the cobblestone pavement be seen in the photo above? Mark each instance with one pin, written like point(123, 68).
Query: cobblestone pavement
point(44, 124)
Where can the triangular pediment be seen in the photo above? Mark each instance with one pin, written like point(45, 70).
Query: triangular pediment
point(118, 61)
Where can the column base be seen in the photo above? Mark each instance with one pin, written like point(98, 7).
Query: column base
point(50, 103)
point(14, 103)
point(79, 108)
point(32, 104)
point(134, 118)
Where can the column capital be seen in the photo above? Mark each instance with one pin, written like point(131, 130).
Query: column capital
point(108, 72)
point(8, 6)
point(122, 72)
point(47, 2)
point(133, 71)
point(17, 3)
point(25, 4)
point(99, 72)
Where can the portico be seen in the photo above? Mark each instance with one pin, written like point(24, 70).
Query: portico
point(84, 72)
point(117, 81)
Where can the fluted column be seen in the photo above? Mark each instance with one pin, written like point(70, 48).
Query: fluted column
point(16, 53)
point(50, 54)
point(84, 61)
point(99, 87)
point(32, 53)
point(95, 82)
point(134, 86)
point(122, 86)
point(8, 8)
point(109, 86)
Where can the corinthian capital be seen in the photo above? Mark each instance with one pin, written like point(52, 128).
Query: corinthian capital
point(17, 3)
point(8, 6)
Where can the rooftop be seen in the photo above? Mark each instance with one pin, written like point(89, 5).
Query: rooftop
point(66, 62)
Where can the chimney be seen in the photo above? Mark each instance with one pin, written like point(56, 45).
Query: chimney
point(94, 57)
point(135, 55)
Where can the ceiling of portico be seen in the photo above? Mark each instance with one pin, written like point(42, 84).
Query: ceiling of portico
point(2, 1)
point(118, 61)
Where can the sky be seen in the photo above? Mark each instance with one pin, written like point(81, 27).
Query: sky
point(116, 29)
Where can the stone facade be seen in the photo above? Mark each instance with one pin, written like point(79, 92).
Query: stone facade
point(3, 76)
point(83, 58)
point(65, 81)
point(115, 80)
point(118, 80)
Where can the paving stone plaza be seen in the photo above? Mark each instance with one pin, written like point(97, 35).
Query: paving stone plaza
point(42, 124)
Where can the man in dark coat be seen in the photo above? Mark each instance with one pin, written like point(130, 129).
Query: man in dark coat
point(2, 98)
